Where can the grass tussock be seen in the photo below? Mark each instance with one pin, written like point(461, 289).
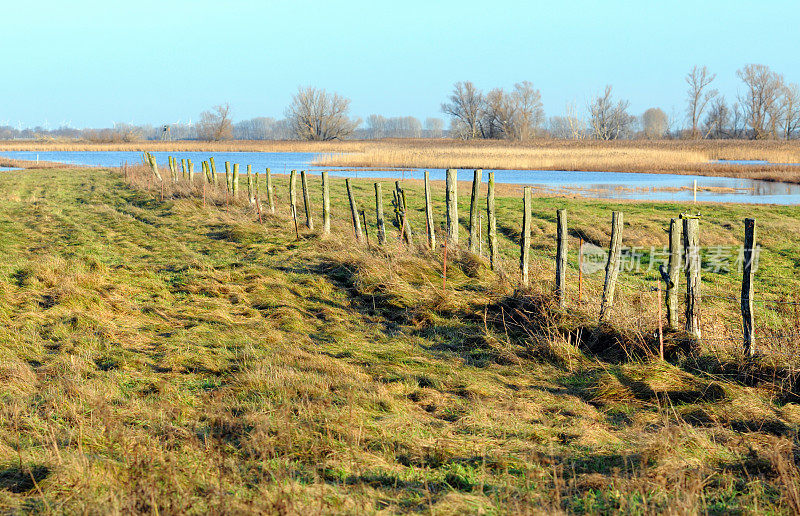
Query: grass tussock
point(166, 356)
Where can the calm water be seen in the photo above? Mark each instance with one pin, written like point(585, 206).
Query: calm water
point(607, 185)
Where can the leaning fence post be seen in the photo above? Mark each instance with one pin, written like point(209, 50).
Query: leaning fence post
point(673, 273)
point(612, 265)
point(747, 285)
point(270, 200)
point(213, 170)
point(525, 239)
point(492, 222)
point(326, 205)
point(379, 214)
point(451, 200)
point(473, 211)
point(306, 200)
point(561, 257)
point(353, 210)
point(691, 249)
point(429, 213)
point(405, 225)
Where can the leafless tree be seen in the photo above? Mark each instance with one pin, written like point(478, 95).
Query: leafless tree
point(761, 100)
point(495, 114)
point(790, 110)
point(434, 127)
point(526, 113)
point(698, 95)
point(718, 119)
point(215, 125)
point(609, 121)
point(315, 114)
point(465, 106)
point(654, 123)
point(577, 125)
point(376, 126)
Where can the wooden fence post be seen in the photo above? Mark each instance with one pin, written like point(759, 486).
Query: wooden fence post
point(379, 214)
point(270, 193)
point(190, 171)
point(673, 273)
point(691, 248)
point(525, 238)
point(405, 225)
point(292, 193)
point(451, 200)
point(183, 168)
point(561, 257)
point(251, 194)
point(612, 265)
point(492, 222)
point(213, 170)
point(228, 183)
point(473, 211)
point(747, 286)
point(326, 205)
point(306, 200)
point(354, 211)
point(429, 213)
point(235, 179)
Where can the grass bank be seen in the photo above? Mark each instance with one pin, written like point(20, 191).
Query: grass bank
point(162, 356)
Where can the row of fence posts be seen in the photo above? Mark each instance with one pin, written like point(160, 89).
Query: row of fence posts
point(683, 236)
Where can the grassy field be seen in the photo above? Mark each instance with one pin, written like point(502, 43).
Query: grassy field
point(663, 156)
point(166, 357)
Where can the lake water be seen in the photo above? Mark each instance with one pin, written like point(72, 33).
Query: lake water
point(606, 185)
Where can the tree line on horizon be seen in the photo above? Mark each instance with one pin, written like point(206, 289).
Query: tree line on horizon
point(768, 107)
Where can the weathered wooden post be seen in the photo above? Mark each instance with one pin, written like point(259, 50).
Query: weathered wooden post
point(429, 213)
point(251, 193)
point(326, 204)
point(306, 200)
point(451, 201)
point(612, 265)
point(213, 170)
point(747, 286)
point(183, 168)
point(228, 182)
point(561, 257)
point(270, 193)
point(473, 212)
point(379, 214)
point(293, 198)
point(190, 171)
point(525, 238)
point(405, 226)
point(235, 179)
point(154, 166)
point(492, 222)
point(673, 273)
point(691, 248)
point(173, 168)
point(354, 211)
point(207, 172)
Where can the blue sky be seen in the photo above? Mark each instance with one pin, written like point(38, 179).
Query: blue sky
point(92, 63)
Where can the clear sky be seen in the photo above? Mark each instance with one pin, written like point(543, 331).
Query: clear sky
point(92, 63)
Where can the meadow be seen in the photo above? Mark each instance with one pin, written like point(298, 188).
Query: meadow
point(188, 355)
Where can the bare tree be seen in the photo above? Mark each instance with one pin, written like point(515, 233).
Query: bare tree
point(434, 127)
point(654, 123)
point(761, 101)
point(698, 95)
point(717, 122)
point(495, 114)
point(526, 113)
point(577, 125)
point(376, 126)
point(790, 110)
point(465, 106)
point(315, 114)
point(215, 125)
point(609, 121)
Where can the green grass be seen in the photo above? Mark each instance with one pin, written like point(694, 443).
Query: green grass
point(165, 357)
